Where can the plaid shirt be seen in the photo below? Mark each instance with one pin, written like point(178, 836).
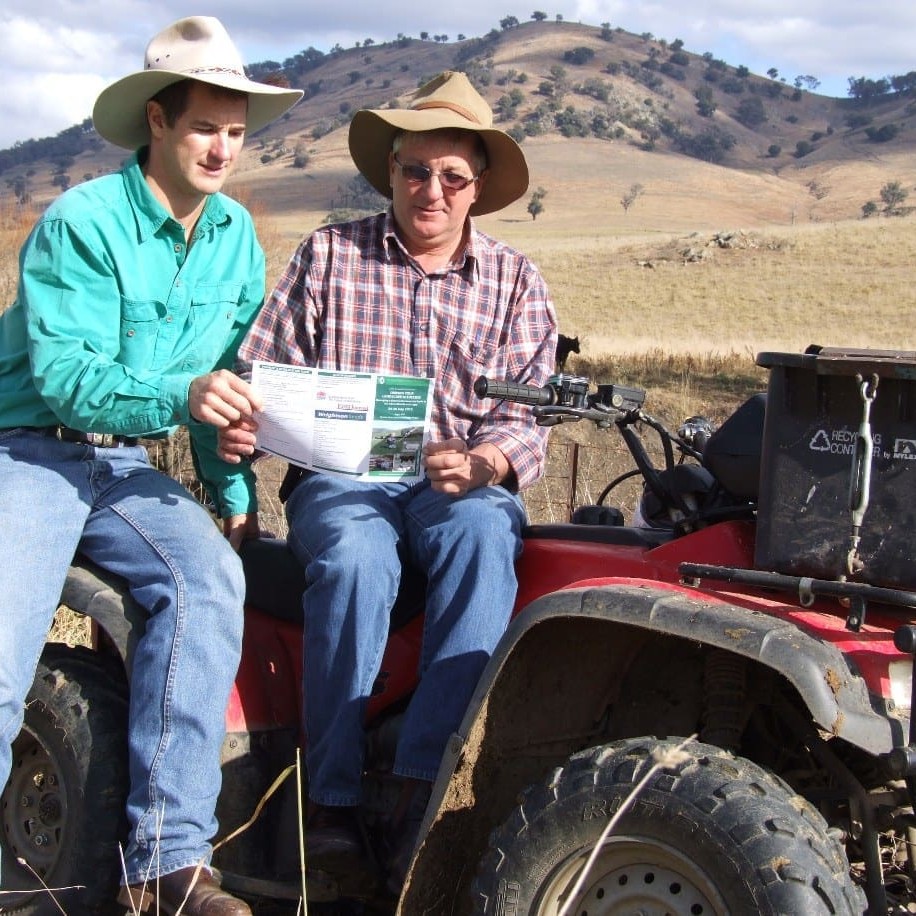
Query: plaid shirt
point(352, 299)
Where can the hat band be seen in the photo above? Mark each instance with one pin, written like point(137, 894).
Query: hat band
point(197, 70)
point(465, 113)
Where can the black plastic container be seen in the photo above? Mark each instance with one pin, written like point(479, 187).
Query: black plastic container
point(813, 466)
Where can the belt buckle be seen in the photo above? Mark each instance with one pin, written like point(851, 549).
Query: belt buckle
point(101, 440)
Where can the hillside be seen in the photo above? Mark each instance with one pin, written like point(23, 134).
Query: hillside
point(597, 111)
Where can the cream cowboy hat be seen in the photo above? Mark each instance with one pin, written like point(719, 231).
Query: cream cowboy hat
point(447, 101)
point(198, 48)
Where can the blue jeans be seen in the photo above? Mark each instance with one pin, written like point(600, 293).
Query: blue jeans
point(112, 506)
point(352, 537)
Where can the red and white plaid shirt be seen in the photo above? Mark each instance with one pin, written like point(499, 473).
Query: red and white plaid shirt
point(352, 299)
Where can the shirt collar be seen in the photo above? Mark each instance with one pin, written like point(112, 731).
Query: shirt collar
point(151, 216)
point(469, 262)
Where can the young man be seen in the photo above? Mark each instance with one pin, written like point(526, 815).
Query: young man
point(134, 293)
point(417, 291)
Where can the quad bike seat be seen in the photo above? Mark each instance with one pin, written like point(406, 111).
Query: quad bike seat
point(275, 581)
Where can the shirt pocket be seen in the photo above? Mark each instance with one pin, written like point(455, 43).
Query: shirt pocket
point(141, 321)
point(213, 321)
point(467, 360)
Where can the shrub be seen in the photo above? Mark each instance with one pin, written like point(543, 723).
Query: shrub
point(579, 56)
point(882, 134)
point(750, 112)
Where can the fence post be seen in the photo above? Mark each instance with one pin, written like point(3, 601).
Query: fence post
point(573, 479)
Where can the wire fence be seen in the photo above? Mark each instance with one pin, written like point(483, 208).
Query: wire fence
point(576, 474)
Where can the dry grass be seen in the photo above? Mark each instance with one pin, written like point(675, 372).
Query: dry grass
point(671, 311)
point(840, 284)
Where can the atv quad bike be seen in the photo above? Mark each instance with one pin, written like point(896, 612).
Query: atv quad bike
point(707, 712)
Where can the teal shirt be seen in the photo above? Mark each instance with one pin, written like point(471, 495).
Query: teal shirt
point(115, 315)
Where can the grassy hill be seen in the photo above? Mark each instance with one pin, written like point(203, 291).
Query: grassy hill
point(597, 110)
point(808, 267)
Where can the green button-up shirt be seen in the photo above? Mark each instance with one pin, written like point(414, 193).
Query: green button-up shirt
point(116, 314)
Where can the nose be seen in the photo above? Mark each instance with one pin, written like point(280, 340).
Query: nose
point(433, 185)
point(221, 146)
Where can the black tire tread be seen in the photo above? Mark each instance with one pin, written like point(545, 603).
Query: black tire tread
point(775, 837)
point(82, 699)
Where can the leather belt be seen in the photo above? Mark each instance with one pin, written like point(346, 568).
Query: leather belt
point(100, 440)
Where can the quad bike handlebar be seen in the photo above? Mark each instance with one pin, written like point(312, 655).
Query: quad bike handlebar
point(568, 398)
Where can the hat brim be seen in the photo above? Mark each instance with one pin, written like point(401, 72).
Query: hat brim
point(119, 114)
point(372, 134)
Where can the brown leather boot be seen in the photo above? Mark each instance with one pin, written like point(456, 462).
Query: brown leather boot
point(167, 894)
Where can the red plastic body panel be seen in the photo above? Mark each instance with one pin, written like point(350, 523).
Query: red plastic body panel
point(268, 689)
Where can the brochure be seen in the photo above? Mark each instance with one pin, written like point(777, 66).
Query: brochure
point(364, 426)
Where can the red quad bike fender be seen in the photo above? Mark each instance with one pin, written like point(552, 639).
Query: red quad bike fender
point(553, 674)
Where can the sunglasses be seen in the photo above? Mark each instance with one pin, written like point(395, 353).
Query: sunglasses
point(418, 174)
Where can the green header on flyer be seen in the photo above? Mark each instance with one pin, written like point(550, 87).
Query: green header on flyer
point(401, 398)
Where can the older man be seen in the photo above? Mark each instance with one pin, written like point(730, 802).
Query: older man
point(420, 291)
point(135, 291)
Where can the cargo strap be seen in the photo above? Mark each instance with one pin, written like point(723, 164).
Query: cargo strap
point(860, 477)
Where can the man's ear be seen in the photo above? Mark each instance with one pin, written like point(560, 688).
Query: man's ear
point(481, 181)
point(155, 117)
point(392, 165)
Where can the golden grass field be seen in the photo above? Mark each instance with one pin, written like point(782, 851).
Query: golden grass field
point(646, 313)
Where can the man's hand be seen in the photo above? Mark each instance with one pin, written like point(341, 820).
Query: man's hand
point(237, 440)
point(453, 468)
point(238, 528)
point(220, 398)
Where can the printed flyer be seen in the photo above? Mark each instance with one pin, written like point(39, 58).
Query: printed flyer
point(364, 426)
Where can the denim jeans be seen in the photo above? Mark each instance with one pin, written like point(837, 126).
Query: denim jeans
point(351, 537)
point(112, 506)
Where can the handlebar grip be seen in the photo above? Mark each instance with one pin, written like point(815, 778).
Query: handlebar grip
point(520, 394)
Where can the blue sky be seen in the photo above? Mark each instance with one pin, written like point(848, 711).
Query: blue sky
point(56, 55)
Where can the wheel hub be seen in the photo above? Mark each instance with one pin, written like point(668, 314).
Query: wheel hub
point(33, 805)
point(634, 876)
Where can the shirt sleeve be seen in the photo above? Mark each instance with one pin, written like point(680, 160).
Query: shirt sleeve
point(532, 346)
point(72, 302)
point(232, 488)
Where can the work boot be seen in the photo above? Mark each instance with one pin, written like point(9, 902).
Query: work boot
point(403, 830)
point(333, 840)
point(167, 894)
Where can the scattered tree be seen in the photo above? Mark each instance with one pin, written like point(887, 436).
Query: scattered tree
point(750, 112)
point(628, 199)
point(882, 134)
point(580, 55)
point(536, 204)
point(300, 157)
point(706, 104)
point(818, 191)
point(538, 16)
point(893, 194)
point(869, 208)
point(808, 82)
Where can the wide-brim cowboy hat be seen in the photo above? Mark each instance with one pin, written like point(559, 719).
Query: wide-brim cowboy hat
point(447, 101)
point(197, 48)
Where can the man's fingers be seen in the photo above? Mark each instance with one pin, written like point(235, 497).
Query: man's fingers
point(221, 398)
point(236, 442)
